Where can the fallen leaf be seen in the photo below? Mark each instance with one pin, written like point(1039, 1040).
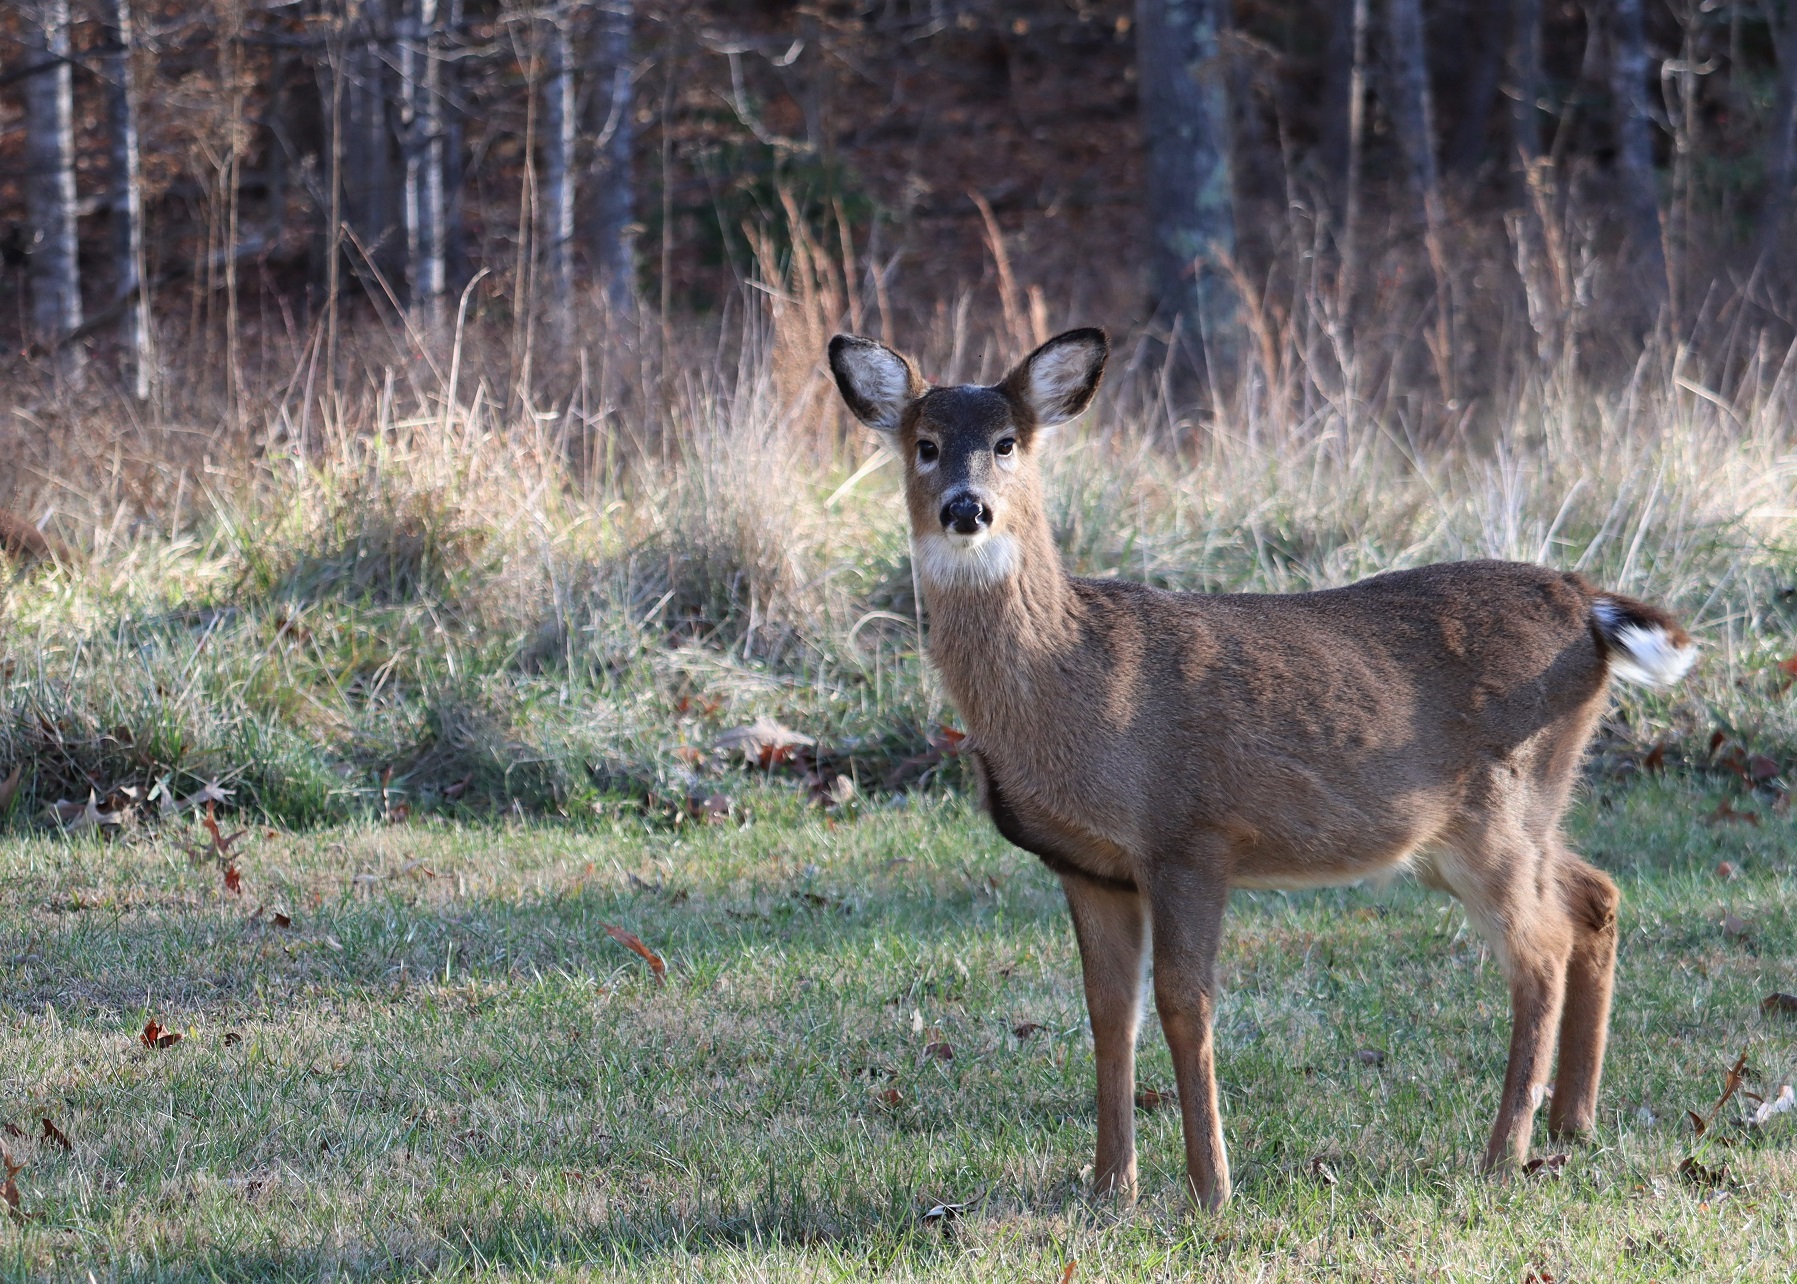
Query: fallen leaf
point(948, 740)
point(890, 1098)
point(1540, 1275)
point(75, 817)
point(631, 941)
point(1779, 1003)
point(1698, 1174)
point(232, 1038)
point(692, 755)
point(939, 1051)
point(1370, 1057)
point(1025, 1029)
point(281, 919)
point(233, 880)
point(9, 1189)
point(1067, 1271)
point(155, 1036)
point(942, 1213)
point(714, 809)
point(1717, 739)
point(1154, 1098)
point(204, 796)
point(1736, 928)
point(765, 742)
point(58, 1137)
point(399, 813)
point(9, 788)
point(1550, 1165)
point(1655, 761)
point(1783, 1103)
point(1726, 812)
point(1320, 1171)
point(1726, 870)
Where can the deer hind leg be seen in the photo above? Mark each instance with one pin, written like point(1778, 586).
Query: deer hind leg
point(1112, 928)
point(1187, 918)
point(1509, 885)
point(1591, 900)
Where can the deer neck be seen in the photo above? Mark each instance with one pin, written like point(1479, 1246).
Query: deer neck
point(1001, 631)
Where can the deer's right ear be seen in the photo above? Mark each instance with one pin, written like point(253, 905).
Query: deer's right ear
point(876, 382)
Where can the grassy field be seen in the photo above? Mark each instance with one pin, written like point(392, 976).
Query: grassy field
point(443, 1065)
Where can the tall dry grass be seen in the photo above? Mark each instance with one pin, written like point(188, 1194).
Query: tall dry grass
point(554, 592)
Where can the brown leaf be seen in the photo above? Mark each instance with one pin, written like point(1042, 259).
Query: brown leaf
point(1698, 1174)
point(939, 1051)
point(890, 1098)
point(1717, 739)
point(399, 813)
point(765, 742)
point(1320, 1171)
point(56, 1135)
point(1370, 1057)
point(1779, 1003)
point(948, 740)
point(1727, 870)
point(1154, 1098)
point(631, 941)
point(713, 809)
point(9, 1189)
point(1760, 768)
point(1549, 1165)
point(233, 880)
point(1655, 761)
point(1736, 928)
point(281, 918)
point(1726, 812)
point(1024, 1029)
point(1788, 666)
point(1067, 1270)
point(232, 1038)
point(692, 755)
point(155, 1036)
point(9, 788)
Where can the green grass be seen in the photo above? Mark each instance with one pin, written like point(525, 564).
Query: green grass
point(446, 1067)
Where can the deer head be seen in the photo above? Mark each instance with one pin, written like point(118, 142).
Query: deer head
point(971, 479)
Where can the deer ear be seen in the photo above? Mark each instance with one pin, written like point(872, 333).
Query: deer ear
point(1057, 381)
point(876, 382)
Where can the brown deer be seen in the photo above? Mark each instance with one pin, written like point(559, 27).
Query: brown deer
point(1156, 749)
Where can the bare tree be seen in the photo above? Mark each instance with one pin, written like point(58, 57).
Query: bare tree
point(612, 226)
point(1634, 153)
point(50, 177)
point(1413, 111)
point(1191, 198)
point(421, 140)
point(560, 120)
point(127, 193)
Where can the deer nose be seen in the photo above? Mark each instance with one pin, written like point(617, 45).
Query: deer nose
point(964, 515)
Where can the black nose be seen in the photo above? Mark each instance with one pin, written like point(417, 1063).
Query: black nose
point(964, 515)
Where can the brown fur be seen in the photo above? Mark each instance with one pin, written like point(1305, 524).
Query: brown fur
point(1157, 749)
point(22, 542)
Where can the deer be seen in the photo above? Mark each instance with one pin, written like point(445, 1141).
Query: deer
point(1156, 749)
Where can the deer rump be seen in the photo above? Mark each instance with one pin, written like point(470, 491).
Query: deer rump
point(1325, 736)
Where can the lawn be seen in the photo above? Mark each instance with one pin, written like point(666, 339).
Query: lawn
point(414, 1050)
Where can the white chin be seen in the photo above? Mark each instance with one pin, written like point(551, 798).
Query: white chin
point(949, 560)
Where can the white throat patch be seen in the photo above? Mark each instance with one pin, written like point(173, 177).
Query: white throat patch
point(965, 561)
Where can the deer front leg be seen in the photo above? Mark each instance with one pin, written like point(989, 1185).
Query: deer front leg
point(1186, 913)
point(1112, 931)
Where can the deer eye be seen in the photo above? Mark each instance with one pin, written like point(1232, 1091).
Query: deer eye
point(1005, 447)
point(927, 452)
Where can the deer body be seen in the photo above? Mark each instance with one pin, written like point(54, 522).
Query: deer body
point(1157, 749)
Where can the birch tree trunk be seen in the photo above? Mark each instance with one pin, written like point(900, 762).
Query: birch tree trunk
point(127, 194)
point(612, 227)
point(50, 178)
point(422, 144)
point(1185, 122)
point(559, 121)
point(1413, 112)
point(1634, 153)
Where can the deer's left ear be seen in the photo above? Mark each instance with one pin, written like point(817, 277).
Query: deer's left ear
point(1057, 381)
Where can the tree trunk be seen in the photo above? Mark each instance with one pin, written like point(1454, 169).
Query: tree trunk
point(612, 225)
point(422, 144)
point(126, 203)
point(1525, 74)
point(457, 266)
point(1781, 137)
point(1413, 112)
point(368, 186)
point(559, 122)
point(1634, 152)
point(50, 177)
point(1185, 122)
point(1484, 48)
